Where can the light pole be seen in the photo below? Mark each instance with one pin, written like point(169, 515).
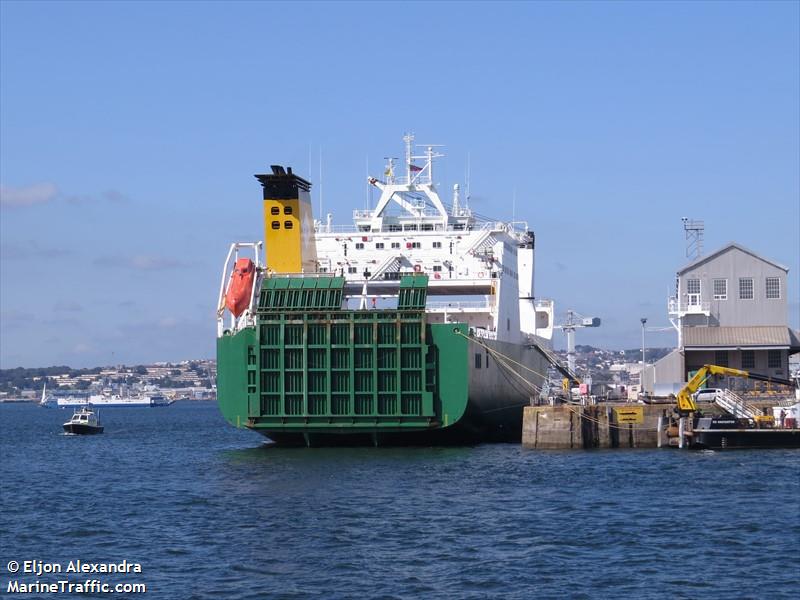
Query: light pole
point(644, 321)
point(641, 377)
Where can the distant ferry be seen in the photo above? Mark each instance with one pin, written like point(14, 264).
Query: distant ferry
point(145, 399)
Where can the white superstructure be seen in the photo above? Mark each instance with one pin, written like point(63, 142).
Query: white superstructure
point(481, 272)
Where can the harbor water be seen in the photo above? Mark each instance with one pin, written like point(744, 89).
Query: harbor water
point(210, 512)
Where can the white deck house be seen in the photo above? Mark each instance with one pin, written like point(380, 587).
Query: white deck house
point(729, 309)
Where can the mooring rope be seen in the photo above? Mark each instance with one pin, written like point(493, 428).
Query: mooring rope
point(504, 360)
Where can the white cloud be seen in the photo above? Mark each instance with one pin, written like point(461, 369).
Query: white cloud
point(67, 306)
point(168, 322)
point(29, 249)
point(140, 262)
point(110, 196)
point(38, 193)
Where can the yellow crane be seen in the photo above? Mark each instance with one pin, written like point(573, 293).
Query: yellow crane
point(685, 398)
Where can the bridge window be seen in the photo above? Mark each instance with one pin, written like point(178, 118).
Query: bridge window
point(379, 246)
point(352, 269)
point(396, 245)
point(437, 268)
point(275, 210)
point(477, 360)
point(276, 224)
point(288, 224)
point(437, 244)
point(287, 210)
point(359, 246)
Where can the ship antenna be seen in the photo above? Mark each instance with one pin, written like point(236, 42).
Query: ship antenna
point(320, 182)
point(466, 200)
point(514, 206)
point(408, 138)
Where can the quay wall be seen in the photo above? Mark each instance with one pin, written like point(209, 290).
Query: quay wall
point(570, 427)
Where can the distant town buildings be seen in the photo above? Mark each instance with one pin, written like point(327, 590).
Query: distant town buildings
point(190, 378)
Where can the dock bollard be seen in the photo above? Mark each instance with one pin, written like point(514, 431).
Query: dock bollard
point(660, 431)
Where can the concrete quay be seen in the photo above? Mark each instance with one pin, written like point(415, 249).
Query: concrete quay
point(574, 427)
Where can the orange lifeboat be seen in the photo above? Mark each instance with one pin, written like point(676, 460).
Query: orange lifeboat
point(240, 287)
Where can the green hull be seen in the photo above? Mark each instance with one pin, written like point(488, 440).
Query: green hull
point(311, 373)
point(308, 367)
point(304, 375)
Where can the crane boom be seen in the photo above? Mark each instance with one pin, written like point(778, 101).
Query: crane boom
point(685, 401)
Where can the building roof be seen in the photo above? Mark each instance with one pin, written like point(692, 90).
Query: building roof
point(699, 261)
point(696, 338)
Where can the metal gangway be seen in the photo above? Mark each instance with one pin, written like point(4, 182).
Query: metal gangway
point(735, 406)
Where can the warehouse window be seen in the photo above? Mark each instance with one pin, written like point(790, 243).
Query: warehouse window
point(748, 359)
point(720, 289)
point(774, 359)
point(692, 286)
point(746, 288)
point(721, 358)
point(773, 288)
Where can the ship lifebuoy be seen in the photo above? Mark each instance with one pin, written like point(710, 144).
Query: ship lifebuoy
point(417, 268)
point(481, 274)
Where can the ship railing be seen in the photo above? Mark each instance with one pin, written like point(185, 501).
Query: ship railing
point(427, 220)
point(246, 318)
point(466, 305)
point(734, 405)
point(676, 307)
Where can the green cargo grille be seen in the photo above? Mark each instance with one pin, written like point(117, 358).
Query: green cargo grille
point(306, 293)
point(315, 365)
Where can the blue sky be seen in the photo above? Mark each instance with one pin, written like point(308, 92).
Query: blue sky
point(129, 134)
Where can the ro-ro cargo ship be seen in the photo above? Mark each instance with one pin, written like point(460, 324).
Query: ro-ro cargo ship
point(417, 324)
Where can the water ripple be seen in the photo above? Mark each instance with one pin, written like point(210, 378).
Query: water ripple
point(211, 512)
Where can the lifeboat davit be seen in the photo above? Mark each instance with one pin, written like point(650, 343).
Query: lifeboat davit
point(240, 287)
